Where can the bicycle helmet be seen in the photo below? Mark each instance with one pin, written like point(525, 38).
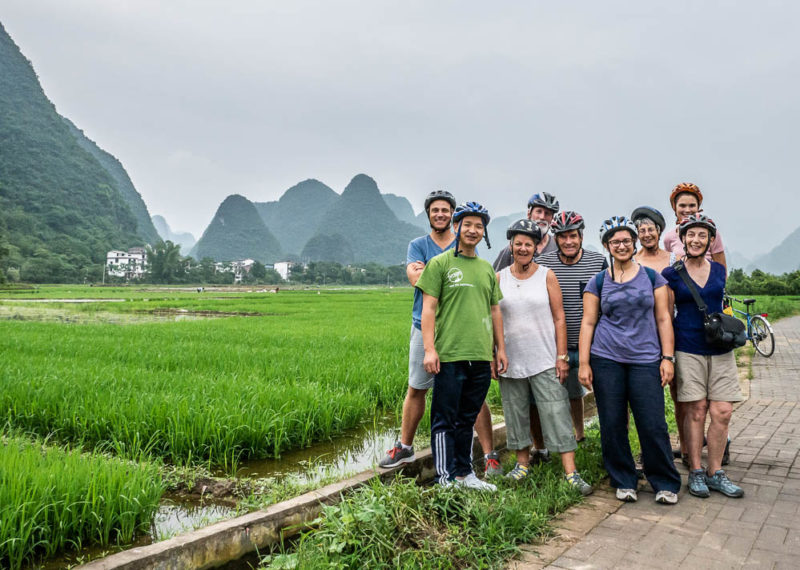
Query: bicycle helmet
point(648, 213)
point(544, 200)
point(439, 195)
point(526, 227)
point(685, 188)
point(697, 220)
point(471, 209)
point(566, 221)
point(615, 224)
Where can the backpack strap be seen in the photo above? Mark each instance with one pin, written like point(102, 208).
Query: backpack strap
point(651, 274)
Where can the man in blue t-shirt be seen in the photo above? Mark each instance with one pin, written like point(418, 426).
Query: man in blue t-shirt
point(439, 206)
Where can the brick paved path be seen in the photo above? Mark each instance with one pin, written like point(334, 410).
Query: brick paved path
point(761, 530)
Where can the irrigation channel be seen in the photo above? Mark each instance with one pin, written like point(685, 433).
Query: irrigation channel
point(355, 451)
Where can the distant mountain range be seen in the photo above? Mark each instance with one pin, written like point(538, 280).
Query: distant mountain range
point(183, 239)
point(64, 202)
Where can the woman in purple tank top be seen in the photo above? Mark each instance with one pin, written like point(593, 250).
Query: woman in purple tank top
point(627, 356)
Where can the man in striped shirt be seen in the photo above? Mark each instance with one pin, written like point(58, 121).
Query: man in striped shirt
point(574, 267)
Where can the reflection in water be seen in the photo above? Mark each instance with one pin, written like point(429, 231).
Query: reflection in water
point(175, 518)
point(352, 452)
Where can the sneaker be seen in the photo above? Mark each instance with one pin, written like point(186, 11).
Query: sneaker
point(627, 495)
point(518, 473)
point(577, 481)
point(540, 456)
point(666, 498)
point(697, 483)
point(719, 482)
point(492, 468)
point(397, 456)
point(726, 455)
point(471, 481)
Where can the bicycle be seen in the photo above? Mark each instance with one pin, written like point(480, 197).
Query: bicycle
point(759, 331)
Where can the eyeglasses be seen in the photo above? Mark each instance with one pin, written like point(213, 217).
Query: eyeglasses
point(621, 242)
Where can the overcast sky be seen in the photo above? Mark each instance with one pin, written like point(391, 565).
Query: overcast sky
point(606, 104)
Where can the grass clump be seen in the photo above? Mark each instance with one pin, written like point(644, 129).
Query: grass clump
point(53, 498)
point(403, 525)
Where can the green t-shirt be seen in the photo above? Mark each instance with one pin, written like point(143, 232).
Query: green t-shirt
point(466, 288)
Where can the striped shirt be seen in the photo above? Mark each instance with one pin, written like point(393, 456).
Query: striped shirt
point(573, 279)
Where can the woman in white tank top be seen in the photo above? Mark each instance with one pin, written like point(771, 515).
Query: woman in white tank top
point(536, 344)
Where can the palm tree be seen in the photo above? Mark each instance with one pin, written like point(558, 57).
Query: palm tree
point(164, 262)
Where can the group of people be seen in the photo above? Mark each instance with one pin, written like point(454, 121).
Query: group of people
point(551, 320)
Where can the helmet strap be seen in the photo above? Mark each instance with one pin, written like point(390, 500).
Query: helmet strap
point(458, 236)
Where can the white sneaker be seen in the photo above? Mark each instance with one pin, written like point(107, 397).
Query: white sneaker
point(666, 498)
point(627, 495)
point(472, 482)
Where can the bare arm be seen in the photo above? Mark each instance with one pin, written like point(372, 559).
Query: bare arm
point(431, 360)
point(560, 322)
point(591, 314)
point(665, 332)
point(413, 271)
point(500, 363)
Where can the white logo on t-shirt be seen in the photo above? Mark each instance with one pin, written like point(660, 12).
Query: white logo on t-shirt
point(454, 275)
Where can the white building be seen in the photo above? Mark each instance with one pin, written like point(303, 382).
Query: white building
point(282, 267)
point(129, 264)
point(239, 268)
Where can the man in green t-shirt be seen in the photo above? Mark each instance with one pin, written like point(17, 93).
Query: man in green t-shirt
point(461, 325)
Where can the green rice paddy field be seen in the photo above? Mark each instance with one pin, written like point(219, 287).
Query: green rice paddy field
point(96, 396)
point(128, 380)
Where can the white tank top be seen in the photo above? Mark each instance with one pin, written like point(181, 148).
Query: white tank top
point(528, 327)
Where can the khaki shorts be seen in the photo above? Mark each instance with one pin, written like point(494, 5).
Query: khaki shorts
point(702, 377)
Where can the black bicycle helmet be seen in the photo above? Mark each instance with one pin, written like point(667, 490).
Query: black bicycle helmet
point(566, 221)
point(697, 220)
point(526, 227)
point(646, 212)
point(544, 200)
point(440, 195)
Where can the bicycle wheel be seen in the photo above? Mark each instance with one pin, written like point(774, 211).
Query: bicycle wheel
point(761, 335)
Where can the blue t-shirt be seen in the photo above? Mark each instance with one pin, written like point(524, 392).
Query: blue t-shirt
point(626, 331)
point(688, 323)
point(422, 249)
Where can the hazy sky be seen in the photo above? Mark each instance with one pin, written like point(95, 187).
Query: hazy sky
point(606, 104)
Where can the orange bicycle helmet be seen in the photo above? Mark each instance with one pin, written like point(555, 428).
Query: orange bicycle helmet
point(686, 188)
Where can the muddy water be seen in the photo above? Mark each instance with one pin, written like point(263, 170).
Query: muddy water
point(352, 452)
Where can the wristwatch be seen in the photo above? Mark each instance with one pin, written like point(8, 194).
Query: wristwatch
point(670, 358)
point(564, 357)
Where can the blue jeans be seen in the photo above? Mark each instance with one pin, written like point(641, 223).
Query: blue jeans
point(458, 393)
point(616, 385)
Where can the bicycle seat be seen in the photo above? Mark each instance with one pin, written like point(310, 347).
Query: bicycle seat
point(748, 301)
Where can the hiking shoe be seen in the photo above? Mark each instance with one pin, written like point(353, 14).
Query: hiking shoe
point(540, 456)
point(627, 495)
point(577, 481)
point(518, 473)
point(492, 467)
point(666, 498)
point(397, 456)
point(697, 483)
point(471, 481)
point(719, 482)
point(726, 455)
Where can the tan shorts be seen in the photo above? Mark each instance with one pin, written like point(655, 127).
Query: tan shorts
point(707, 377)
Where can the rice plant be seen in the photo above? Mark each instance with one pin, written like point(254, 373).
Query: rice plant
point(52, 498)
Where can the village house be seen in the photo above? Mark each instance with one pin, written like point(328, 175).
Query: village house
point(130, 264)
